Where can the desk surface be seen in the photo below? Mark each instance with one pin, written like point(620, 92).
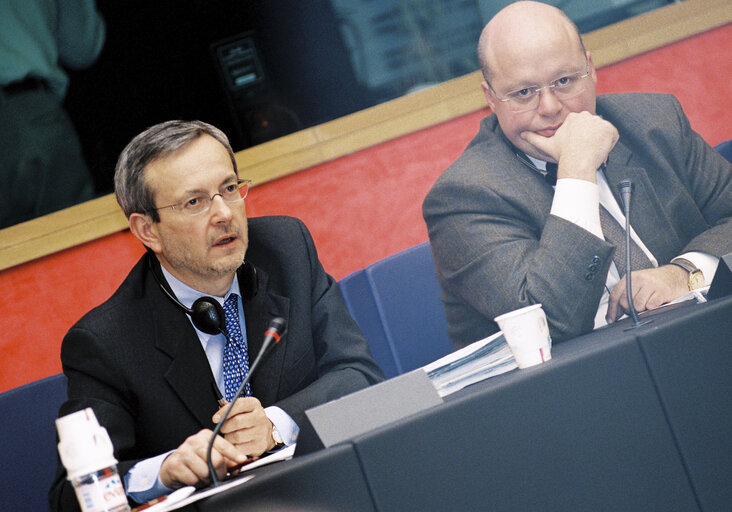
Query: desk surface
point(617, 420)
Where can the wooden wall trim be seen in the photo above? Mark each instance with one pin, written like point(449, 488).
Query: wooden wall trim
point(291, 153)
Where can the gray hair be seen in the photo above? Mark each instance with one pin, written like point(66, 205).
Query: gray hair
point(132, 192)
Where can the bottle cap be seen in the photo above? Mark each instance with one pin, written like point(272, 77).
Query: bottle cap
point(84, 445)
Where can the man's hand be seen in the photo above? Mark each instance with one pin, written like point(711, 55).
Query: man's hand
point(579, 146)
point(247, 426)
point(187, 465)
point(652, 287)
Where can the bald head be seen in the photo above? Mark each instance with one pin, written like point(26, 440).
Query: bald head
point(515, 32)
point(533, 46)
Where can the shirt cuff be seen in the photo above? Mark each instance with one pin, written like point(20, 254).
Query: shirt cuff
point(704, 262)
point(285, 425)
point(142, 481)
point(578, 201)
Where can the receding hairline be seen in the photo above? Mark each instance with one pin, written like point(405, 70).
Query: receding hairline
point(157, 142)
point(538, 7)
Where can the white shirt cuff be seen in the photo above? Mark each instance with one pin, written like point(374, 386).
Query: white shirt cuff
point(285, 425)
point(704, 262)
point(142, 481)
point(578, 201)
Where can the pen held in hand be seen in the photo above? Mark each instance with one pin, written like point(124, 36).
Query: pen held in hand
point(219, 397)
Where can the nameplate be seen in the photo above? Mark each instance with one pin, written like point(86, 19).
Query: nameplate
point(365, 410)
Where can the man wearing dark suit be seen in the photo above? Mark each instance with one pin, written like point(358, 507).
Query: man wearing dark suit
point(504, 236)
point(151, 377)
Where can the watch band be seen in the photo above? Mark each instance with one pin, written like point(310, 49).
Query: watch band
point(696, 277)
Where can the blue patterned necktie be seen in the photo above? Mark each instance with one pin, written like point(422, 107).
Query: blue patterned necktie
point(236, 359)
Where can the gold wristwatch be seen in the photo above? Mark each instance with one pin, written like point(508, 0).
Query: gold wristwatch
point(696, 277)
point(277, 438)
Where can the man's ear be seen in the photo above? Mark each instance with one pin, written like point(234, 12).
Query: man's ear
point(593, 71)
point(145, 230)
point(487, 93)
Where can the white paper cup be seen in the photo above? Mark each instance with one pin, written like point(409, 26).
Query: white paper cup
point(527, 335)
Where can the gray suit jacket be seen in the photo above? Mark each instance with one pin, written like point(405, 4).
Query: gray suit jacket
point(497, 248)
point(137, 361)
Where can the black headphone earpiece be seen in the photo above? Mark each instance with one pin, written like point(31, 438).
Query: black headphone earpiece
point(206, 313)
point(248, 282)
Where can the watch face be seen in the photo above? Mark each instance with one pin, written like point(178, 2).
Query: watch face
point(276, 436)
point(696, 280)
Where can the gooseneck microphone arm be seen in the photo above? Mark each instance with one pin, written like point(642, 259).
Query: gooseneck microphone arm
point(625, 187)
point(271, 337)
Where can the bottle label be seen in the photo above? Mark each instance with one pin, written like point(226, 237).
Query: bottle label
point(101, 492)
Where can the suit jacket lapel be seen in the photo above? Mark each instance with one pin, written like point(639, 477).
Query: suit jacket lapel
point(258, 312)
point(647, 213)
point(189, 373)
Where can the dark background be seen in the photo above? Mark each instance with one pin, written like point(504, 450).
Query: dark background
point(157, 64)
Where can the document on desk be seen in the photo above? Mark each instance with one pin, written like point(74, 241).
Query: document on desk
point(699, 295)
point(478, 361)
point(693, 297)
point(174, 504)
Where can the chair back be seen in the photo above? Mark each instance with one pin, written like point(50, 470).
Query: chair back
point(396, 302)
point(28, 443)
point(725, 149)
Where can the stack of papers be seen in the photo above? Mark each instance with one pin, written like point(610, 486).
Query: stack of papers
point(478, 361)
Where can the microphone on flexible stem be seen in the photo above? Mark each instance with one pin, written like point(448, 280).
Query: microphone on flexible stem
point(271, 337)
point(625, 187)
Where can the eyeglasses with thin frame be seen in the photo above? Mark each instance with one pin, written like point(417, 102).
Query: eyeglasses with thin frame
point(527, 98)
point(196, 205)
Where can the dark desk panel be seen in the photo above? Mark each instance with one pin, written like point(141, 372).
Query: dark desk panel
point(617, 420)
point(690, 358)
point(326, 481)
point(585, 431)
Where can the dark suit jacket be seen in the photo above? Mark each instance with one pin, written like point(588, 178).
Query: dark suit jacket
point(497, 249)
point(137, 361)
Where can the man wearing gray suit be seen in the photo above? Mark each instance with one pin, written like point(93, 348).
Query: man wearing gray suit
point(521, 217)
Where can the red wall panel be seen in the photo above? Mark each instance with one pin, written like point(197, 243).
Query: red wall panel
point(360, 208)
point(696, 70)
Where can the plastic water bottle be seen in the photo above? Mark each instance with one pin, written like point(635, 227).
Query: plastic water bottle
point(88, 456)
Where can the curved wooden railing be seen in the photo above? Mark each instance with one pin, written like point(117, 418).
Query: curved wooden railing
point(291, 153)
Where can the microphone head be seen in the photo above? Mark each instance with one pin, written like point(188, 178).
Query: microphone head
point(276, 326)
point(625, 185)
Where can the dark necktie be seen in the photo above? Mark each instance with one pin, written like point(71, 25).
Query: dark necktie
point(236, 358)
point(613, 233)
point(551, 173)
